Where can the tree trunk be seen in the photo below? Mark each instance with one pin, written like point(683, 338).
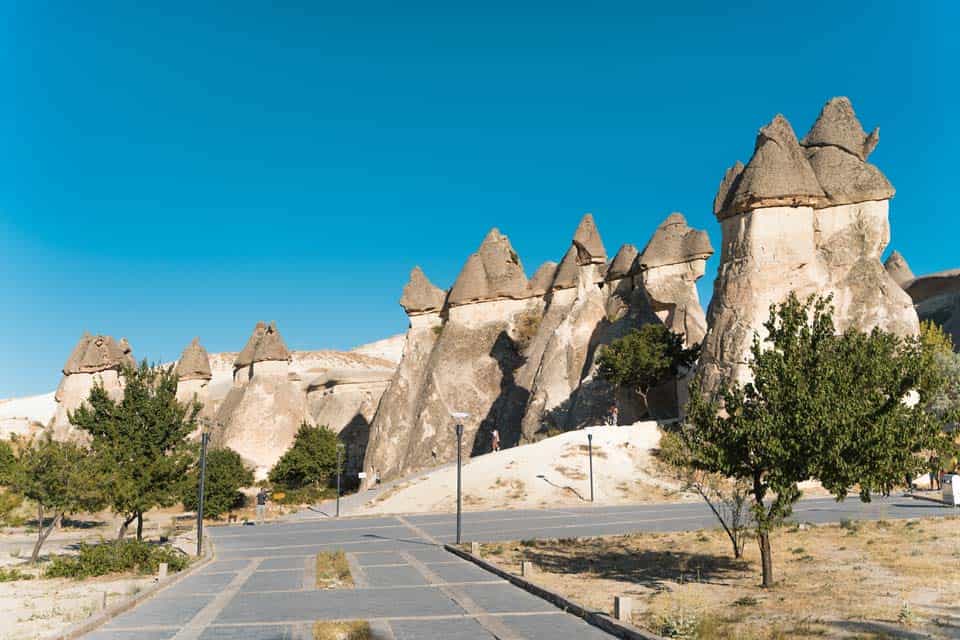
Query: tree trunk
point(122, 533)
point(43, 533)
point(766, 558)
point(139, 526)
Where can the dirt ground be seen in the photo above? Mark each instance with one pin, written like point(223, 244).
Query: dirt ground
point(886, 579)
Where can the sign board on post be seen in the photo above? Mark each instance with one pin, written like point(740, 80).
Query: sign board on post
point(362, 475)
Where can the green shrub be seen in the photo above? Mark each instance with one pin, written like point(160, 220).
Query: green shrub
point(13, 574)
point(306, 495)
point(311, 461)
point(118, 556)
point(9, 504)
point(226, 475)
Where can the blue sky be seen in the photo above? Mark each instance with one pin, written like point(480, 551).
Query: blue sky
point(182, 170)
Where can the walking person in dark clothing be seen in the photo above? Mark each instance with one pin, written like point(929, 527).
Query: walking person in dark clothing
point(934, 463)
point(262, 498)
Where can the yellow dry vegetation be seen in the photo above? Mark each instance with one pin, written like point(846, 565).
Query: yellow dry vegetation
point(852, 580)
point(341, 630)
point(333, 571)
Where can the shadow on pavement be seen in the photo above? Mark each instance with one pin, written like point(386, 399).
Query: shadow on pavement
point(405, 540)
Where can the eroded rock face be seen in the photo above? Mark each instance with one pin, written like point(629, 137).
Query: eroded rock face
point(420, 295)
point(784, 233)
point(936, 296)
point(193, 372)
point(525, 364)
point(95, 360)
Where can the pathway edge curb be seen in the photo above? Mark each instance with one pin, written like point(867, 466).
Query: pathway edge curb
point(97, 620)
point(601, 620)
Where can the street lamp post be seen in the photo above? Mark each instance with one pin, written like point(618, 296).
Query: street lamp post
point(340, 448)
point(590, 454)
point(459, 429)
point(204, 438)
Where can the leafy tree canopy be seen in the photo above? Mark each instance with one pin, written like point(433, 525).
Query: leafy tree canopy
point(312, 460)
point(225, 476)
point(822, 405)
point(140, 443)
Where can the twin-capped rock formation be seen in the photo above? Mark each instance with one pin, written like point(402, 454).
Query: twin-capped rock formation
point(95, 360)
point(936, 296)
point(519, 355)
point(808, 216)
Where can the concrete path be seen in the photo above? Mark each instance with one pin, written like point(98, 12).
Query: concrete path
point(261, 586)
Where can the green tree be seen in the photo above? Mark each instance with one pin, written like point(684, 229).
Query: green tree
point(226, 475)
point(943, 367)
point(59, 478)
point(140, 443)
point(644, 358)
point(821, 405)
point(311, 461)
point(7, 461)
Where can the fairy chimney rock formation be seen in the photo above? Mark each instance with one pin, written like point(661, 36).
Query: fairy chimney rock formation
point(264, 354)
point(95, 359)
point(808, 217)
point(588, 244)
point(193, 371)
point(622, 264)
point(896, 265)
point(494, 272)
point(543, 278)
point(669, 267)
point(420, 295)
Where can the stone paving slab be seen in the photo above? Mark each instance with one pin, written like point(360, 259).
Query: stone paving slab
point(139, 634)
point(218, 566)
point(336, 605)
point(260, 632)
point(430, 554)
point(255, 542)
point(461, 629)
point(462, 572)
point(393, 576)
point(200, 583)
point(291, 562)
point(288, 580)
point(551, 627)
point(505, 598)
point(162, 610)
point(378, 557)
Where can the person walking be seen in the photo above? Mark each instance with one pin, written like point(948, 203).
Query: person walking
point(262, 498)
point(934, 465)
point(495, 440)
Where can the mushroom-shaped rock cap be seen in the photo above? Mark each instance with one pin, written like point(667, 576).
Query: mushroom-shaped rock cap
point(492, 273)
point(674, 242)
point(623, 263)
point(778, 175)
point(265, 344)
point(838, 126)
point(98, 353)
point(588, 243)
point(896, 265)
point(543, 278)
point(194, 363)
point(420, 295)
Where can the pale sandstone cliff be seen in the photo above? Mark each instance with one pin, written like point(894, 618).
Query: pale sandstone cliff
point(935, 295)
point(808, 217)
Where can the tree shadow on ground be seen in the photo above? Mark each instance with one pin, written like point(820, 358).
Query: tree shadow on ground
point(879, 629)
point(652, 569)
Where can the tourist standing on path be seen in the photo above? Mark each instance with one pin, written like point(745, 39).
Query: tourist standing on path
point(934, 464)
point(262, 498)
point(495, 437)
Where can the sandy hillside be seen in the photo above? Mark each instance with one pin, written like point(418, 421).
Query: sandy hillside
point(553, 472)
point(18, 414)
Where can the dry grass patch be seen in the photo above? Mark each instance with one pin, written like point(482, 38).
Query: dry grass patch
point(333, 571)
point(343, 630)
point(858, 580)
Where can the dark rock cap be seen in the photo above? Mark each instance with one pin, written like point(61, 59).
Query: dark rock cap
point(265, 344)
point(194, 363)
point(778, 175)
point(543, 278)
point(623, 263)
point(838, 126)
point(492, 273)
point(588, 243)
point(98, 353)
point(568, 273)
point(675, 242)
point(896, 265)
point(420, 295)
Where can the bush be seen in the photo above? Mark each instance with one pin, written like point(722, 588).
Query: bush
point(7, 460)
point(305, 495)
point(13, 574)
point(311, 461)
point(118, 556)
point(9, 504)
point(226, 475)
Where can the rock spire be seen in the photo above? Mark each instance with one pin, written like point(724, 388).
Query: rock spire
point(420, 295)
point(194, 363)
point(494, 272)
point(265, 344)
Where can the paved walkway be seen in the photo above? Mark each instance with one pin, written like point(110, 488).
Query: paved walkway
point(262, 584)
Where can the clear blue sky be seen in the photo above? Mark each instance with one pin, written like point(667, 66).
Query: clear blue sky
point(183, 170)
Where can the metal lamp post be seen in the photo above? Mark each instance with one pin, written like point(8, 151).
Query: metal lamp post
point(340, 447)
point(204, 438)
point(459, 429)
point(590, 454)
